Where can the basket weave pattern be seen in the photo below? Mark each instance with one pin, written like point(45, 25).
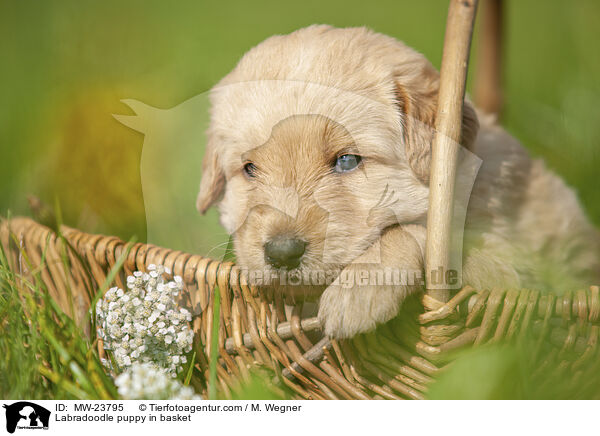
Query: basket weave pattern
point(397, 361)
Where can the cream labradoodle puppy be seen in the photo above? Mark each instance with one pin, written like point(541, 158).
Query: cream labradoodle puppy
point(318, 158)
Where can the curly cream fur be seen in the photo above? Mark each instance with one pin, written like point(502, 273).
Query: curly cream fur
point(295, 102)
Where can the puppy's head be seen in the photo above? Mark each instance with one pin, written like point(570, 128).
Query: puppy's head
point(318, 141)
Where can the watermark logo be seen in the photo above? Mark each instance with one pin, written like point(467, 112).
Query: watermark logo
point(25, 415)
point(278, 173)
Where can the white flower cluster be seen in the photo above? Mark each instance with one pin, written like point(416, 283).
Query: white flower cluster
point(145, 381)
point(144, 324)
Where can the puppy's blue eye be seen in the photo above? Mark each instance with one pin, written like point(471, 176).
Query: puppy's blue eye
point(347, 162)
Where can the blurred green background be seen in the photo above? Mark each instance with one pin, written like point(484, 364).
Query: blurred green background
point(67, 64)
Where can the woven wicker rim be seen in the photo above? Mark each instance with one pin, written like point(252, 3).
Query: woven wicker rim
point(397, 361)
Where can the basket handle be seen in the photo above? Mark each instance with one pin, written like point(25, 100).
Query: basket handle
point(445, 146)
point(487, 87)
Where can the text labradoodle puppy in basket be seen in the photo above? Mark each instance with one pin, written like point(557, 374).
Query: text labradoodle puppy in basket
point(318, 156)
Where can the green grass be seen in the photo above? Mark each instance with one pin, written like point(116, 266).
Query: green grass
point(44, 354)
point(515, 371)
point(214, 346)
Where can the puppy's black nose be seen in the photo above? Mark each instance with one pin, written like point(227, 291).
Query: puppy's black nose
point(283, 251)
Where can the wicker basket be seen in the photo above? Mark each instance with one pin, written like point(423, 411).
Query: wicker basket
point(397, 361)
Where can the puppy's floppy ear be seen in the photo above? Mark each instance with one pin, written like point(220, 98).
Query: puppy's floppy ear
point(417, 90)
point(213, 179)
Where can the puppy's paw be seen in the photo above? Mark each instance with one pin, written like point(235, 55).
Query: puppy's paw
point(345, 311)
point(371, 290)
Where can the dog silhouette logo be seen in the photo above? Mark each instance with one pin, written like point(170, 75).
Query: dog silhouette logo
point(26, 415)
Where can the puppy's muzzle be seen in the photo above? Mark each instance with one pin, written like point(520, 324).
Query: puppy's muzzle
point(284, 252)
